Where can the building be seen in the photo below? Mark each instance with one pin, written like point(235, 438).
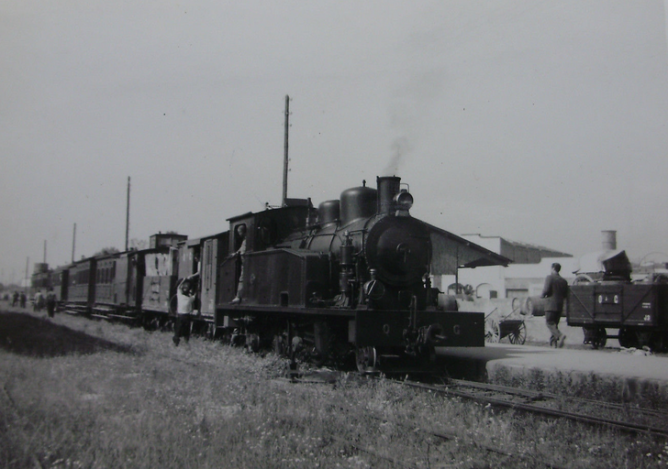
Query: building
point(522, 278)
point(165, 239)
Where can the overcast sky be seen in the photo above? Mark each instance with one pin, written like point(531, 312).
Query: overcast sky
point(539, 121)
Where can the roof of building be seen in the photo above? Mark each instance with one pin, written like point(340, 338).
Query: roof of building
point(452, 252)
point(544, 251)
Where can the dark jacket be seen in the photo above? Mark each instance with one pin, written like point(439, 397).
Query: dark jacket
point(555, 291)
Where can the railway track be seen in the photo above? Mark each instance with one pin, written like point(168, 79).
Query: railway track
point(446, 442)
point(626, 418)
point(589, 411)
point(503, 455)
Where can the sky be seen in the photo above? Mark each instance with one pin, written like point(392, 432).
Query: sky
point(543, 122)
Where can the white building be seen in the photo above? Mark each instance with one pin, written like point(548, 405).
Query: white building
point(523, 278)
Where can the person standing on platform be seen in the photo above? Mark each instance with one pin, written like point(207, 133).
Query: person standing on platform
point(555, 292)
point(38, 301)
point(51, 303)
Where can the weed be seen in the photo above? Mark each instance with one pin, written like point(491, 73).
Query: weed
point(210, 405)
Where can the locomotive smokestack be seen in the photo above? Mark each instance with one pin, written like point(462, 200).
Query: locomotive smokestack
point(609, 239)
point(388, 187)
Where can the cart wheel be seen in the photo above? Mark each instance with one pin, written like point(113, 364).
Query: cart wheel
point(582, 279)
point(519, 335)
point(492, 334)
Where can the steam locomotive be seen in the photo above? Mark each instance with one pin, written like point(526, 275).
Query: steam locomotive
point(347, 280)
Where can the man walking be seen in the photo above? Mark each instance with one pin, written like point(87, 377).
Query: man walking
point(51, 301)
point(555, 292)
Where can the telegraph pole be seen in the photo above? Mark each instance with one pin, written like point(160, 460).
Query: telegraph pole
point(45, 251)
point(74, 241)
point(127, 218)
point(285, 157)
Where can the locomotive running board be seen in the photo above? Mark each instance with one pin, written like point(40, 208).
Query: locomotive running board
point(242, 309)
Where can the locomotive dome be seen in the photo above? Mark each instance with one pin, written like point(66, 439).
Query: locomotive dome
point(358, 202)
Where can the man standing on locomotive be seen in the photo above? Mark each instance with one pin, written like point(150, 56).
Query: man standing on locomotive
point(240, 240)
point(555, 292)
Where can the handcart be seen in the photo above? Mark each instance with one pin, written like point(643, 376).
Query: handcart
point(507, 326)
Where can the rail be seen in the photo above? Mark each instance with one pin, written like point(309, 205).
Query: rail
point(636, 420)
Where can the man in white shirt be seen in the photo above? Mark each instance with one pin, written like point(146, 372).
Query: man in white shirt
point(185, 296)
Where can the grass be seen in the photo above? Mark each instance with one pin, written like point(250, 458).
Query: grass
point(646, 394)
point(130, 399)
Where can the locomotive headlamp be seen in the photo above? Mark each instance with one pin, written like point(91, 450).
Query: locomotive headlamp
point(403, 200)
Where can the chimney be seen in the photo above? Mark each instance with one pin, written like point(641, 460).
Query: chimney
point(388, 187)
point(609, 239)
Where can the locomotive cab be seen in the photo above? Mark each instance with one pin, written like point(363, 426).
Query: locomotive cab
point(260, 264)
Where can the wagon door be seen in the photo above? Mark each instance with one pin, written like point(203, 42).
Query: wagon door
point(209, 276)
point(120, 281)
point(642, 305)
point(608, 304)
point(134, 273)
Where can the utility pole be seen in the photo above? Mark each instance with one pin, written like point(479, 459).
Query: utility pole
point(45, 251)
point(74, 241)
point(127, 218)
point(27, 263)
point(285, 158)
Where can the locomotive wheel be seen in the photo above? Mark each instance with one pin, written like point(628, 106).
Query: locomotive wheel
point(253, 342)
point(519, 335)
point(367, 359)
point(491, 332)
point(428, 353)
point(211, 331)
point(279, 345)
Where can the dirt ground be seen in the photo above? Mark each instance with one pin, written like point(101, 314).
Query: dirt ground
point(25, 334)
